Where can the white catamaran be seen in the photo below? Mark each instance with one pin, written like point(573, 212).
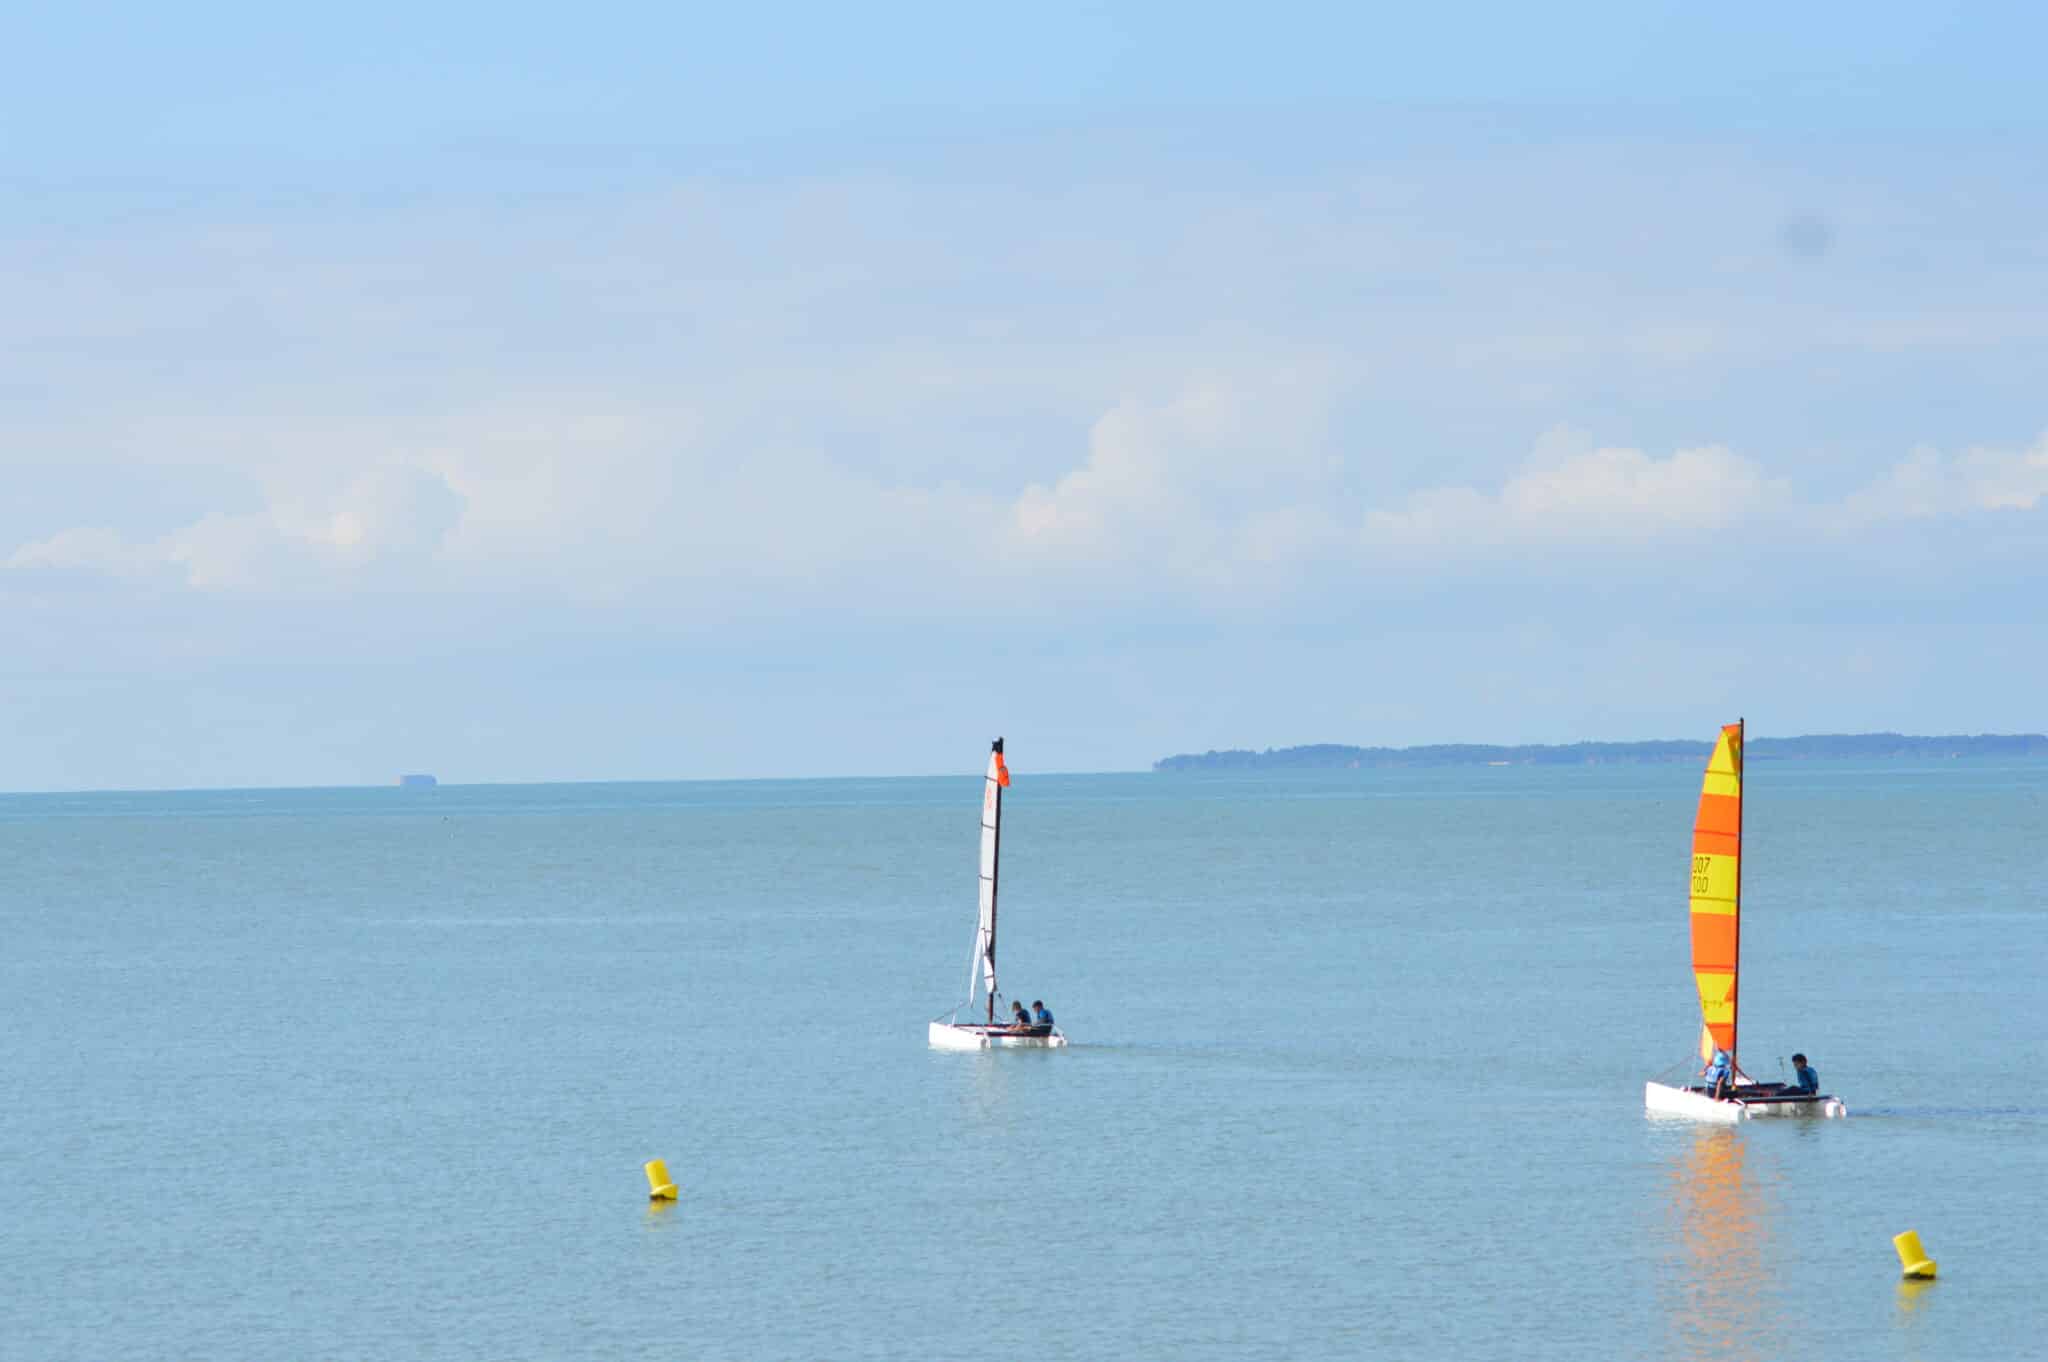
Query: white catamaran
point(1716, 955)
point(947, 1032)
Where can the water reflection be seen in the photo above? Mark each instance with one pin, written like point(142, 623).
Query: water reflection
point(1912, 1296)
point(987, 1098)
point(1721, 1220)
point(1911, 1317)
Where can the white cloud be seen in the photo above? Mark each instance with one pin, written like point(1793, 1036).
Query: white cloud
point(877, 381)
point(1928, 483)
point(386, 515)
point(1220, 492)
point(1611, 495)
point(1141, 475)
point(95, 550)
point(1219, 488)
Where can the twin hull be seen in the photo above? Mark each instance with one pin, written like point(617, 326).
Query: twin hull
point(1665, 1100)
point(952, 1036)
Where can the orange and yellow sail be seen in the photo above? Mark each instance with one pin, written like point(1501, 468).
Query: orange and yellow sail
point(1717, 892)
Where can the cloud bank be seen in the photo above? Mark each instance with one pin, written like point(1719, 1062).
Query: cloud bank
point(1205, 495)
point(1155, 445)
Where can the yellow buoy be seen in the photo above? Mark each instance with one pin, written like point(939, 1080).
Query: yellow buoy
point(1912, 1258)
point(659, 1188)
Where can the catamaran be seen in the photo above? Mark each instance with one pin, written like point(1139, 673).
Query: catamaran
point(1716, 955)
point(947, 1031)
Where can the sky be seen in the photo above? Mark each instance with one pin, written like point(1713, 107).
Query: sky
point(624, 391)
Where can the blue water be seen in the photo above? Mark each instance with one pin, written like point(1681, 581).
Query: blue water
point(1357, 1070)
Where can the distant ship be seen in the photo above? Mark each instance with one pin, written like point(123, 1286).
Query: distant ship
point(417, 781)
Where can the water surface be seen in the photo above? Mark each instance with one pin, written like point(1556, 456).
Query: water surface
point(1357, 1072)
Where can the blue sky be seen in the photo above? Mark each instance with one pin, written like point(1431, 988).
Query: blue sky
point(628, 392)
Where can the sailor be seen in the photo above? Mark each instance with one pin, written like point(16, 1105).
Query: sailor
point(1040, 1015)
point(1804, 1079)
point(1019, 1018)
point(1720, 1075)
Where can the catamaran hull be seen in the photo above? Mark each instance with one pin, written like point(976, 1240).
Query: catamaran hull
point(1663, 1100)
point(947, 1036)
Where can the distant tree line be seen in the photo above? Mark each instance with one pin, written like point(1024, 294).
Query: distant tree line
point(1816, 747)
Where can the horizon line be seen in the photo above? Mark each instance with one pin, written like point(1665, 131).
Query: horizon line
point(964, 772)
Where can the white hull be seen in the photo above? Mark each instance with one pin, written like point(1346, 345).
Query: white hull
point(951, 1036)
point(1664, 1100)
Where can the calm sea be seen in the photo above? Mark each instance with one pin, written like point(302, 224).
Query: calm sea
point(1357, 1070)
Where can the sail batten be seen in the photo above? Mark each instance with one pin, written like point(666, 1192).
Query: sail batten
point(1717, 891)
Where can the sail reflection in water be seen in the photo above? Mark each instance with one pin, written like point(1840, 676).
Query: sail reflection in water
point(1723, 1305)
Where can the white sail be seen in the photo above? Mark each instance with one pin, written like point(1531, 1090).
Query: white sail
point(988, 1032)
point(983, 970)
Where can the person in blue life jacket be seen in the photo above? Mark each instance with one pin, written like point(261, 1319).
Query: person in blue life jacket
point(1805, 1079)
point(1040, 1015)
point(1720, 1075)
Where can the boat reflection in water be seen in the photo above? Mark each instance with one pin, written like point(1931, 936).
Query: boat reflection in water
point(1725, 1304)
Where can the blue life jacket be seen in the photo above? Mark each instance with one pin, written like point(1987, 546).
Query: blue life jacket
point(1719, 1070)
point(1806, 1078)
point(1044, 1017)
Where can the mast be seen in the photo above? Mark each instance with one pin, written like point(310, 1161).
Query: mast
point(1742, 854)
point(995, 865)
point(984, 967)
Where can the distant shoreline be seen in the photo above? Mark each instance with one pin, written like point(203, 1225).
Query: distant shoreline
point(1815, 747)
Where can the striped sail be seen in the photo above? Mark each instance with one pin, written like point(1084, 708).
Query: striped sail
point(1717, 892)
point(984, 966)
